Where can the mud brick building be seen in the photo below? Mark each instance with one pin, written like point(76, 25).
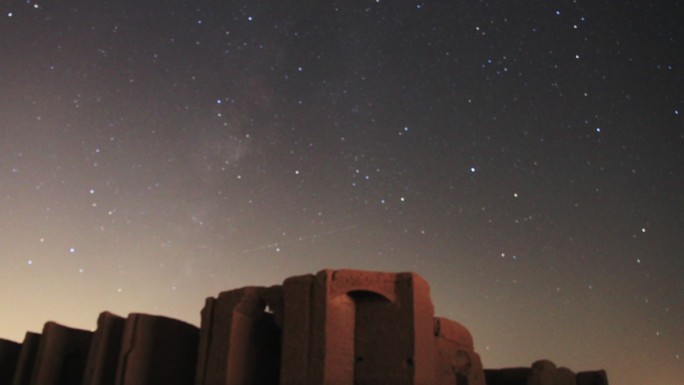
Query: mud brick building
point(337, 327)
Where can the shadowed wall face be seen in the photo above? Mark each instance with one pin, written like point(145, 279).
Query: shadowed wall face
point(62, 355)
point(27, 359)
point(103, 356)
point(157, 350)
point(240, 341)
point(379, 354)
point(9, 355)
point(267, 342)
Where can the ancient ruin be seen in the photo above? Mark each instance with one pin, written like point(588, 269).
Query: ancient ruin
point(337, 327)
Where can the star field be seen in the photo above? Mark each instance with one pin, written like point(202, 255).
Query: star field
point(526, 159)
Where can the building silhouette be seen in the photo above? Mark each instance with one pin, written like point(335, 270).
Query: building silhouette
point(337, 327)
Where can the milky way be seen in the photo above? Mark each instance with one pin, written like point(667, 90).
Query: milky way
point(526, 159)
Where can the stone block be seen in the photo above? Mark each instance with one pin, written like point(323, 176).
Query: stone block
point(9, 355)
point(157, 350)
point(104, 350)
point(27, 359)
point(61, 356)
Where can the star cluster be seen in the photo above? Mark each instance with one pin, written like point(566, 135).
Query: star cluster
point(526, 159)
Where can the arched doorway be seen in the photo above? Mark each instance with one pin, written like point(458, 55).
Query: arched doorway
point(380, 355)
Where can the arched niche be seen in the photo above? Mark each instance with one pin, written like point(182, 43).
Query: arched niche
point(348, 327)
point(366, 349)
point(378, 353)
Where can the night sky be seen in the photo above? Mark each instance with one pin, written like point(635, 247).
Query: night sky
point(526, 158)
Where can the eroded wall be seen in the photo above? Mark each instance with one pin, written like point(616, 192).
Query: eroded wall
point(337, 327)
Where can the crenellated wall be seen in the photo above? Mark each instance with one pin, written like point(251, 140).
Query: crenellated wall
point(337, 327)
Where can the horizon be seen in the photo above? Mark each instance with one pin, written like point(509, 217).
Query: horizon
point(525, 159)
